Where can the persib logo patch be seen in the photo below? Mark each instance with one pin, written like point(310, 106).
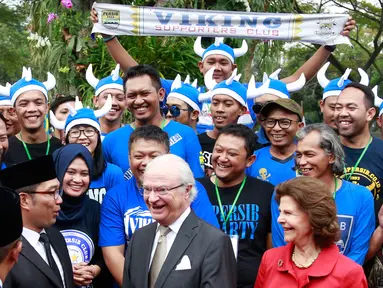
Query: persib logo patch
point(79, 244)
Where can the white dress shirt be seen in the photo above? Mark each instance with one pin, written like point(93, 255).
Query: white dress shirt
point(174, 227)
point(33, 239)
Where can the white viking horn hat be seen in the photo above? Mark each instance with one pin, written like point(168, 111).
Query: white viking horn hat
point(92, 80)
point(105, 109)
point(297, 85)
point(208, 79)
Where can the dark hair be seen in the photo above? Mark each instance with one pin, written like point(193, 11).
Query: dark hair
point(2, 118)
point(141, 70)
point(315, 199)
point(150, 133)
point(369, 96)
point(60, 100)
point(99, 163)
point(241, 131)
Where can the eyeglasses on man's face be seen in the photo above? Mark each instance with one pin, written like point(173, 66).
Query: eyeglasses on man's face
point(88, 132)
point(284, 123)
point(162, 191)
point(55, 194)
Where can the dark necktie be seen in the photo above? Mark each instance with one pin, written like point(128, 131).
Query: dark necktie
point(52, 263)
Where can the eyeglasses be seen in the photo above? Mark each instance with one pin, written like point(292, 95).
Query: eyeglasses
point(158, 190)
point(55, 194)
point(284, 123)
point(174, 110)
point(88, 132)
point(257, 107)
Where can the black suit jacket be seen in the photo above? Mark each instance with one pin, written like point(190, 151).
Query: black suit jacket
point(32, 271)
point(210, 252)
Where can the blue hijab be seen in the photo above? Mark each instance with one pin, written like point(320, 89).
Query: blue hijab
point(72, 208)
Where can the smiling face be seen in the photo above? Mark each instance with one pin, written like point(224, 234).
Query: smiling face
point(90, 141)
point(31, 108)
point(167, 208)
point(222, 64)
point(295, 222)
point(76, 179)
point(142, 98)
point(327, 107)
point(278, 136)
point(229, 158)
point(118, 103)
point(225, 110)
point(143, 151)
point(12, 123)
point(311, 159)
point(351, 114)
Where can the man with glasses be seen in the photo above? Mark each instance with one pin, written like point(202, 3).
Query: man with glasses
point(275, 164)
point(12, 225)
point(44, 259)
point(179, 247)
point(124, 211)
point(9, 113)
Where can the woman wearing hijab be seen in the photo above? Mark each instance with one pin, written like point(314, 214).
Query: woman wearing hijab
point(79, 217)
point(83, 127)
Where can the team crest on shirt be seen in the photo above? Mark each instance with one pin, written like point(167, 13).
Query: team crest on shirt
point(136, 218)
point(263, 174)
point(79, 244)
point(364, 177)
point(345, 224)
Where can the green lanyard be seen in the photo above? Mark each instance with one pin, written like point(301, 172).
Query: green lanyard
point(162, 124)
point(235, 200)
point(26, 148)
point(336, 187)
point(357, 162)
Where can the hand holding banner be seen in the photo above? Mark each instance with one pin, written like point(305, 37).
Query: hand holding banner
point(324, 29)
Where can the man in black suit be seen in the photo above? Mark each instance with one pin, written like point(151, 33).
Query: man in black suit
point(44, 259)
point(179, 249)
point(11, 224)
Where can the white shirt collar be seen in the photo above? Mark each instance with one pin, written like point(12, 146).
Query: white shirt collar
point(31, 236)
point(176, 225)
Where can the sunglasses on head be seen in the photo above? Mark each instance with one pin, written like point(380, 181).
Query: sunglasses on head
point(174, 110)
point(257, 107)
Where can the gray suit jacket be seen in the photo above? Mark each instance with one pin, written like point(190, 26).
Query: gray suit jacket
point(32, 271)
point(210, 252)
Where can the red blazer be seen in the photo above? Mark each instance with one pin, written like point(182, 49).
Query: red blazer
point(331, 269)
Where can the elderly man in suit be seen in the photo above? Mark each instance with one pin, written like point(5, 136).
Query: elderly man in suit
point(11, 224)
point(44, 259)
point(180, 248)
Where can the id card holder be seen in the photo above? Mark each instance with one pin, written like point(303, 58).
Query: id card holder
point(234, 243)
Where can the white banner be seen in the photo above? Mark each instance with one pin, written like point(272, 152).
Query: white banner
point(152, 21)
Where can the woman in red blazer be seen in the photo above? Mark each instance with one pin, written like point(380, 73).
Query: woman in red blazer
point(310, 259)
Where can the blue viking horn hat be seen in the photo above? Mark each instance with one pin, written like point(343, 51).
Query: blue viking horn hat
point(186, 92)
point(218, 47)
point(110, 82)
point(378, 101)
point(5, 100)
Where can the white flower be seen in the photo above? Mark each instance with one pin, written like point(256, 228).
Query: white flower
point(42, 43)
point(48, 43)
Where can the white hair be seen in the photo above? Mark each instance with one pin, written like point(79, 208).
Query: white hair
point(171, 161)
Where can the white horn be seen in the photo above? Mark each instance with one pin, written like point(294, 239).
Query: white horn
point(257, 92)
point(241, 51)
point(296, 85)
point(198, 47)
point(92, 80)
point(364, 80)
point(176, 83)
point(55, 122)
point(321, 75)
point(187, 80)
point(27, 74)
point(194, 84)
point(116, 73)
point(5, 91)
point(203, 97)
point(231, 78)
point(72, 111)
point(377, 101)
point(251, 89)
point(344, 77)
point(51, 82)
point(218, 41)
point(236, 78)
point(78, 104)
point(275, 74)
point(105, 109)
point(265, 77)
point(208, 79)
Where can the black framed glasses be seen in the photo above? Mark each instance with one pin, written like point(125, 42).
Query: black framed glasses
point(88, 132)
point(284, 123)
point(174, 110)
point(158, 190)
point(55, 194)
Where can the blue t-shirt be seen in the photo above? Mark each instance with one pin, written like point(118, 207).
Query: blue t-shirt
point(111, 177)
point(355, 210)
point(369, 172)
point(124, 211)
point(268, 168)
point(3, 166)
point(183, 142)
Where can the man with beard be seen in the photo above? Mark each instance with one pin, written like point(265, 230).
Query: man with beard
point(3, 140)
point(114, 86)
point(331, 91)
point(143, 95)
point(354, 112)
point(29, 97)
point(9, 113)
